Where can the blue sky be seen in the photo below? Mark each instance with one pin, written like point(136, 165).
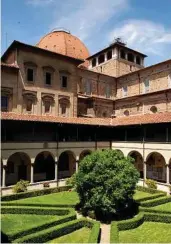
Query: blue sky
point(143, 25)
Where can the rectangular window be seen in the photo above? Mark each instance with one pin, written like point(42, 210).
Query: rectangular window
point(48, 78)
point(63, 109)
point(146, 86)
point(64, 81)
point(4, 103)
point(30, 74)
point(47, 106)
point(107, 91)
point(124, 91)
point(169, 80)
point(88, 88)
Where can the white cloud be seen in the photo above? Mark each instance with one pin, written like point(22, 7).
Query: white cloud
point(84, 17)
point(145, 36)
point(40, 2)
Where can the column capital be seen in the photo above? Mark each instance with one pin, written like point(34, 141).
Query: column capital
point(77, 158)
point(56, 159)
point(32, 161)
point(4, 162)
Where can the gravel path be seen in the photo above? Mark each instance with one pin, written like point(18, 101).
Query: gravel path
point(105, 233)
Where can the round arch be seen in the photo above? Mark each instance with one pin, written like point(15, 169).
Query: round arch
point(118, 150)
point(156, 167)
point(18, 168)
point(66, 164)
point(44, 166)
point(138, 163)
point(84, 153)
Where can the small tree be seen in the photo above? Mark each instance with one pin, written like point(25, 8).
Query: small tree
point(105, 182)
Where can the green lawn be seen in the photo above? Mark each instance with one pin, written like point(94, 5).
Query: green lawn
point(163, 207)
point(140, 194)
point(148, 232)
point(14, 223)
point(55, 198)
point(78, 236)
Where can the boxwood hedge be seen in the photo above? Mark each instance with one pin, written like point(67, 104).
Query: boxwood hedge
point(149, 190)
point(57, 231)
point(155, 202)
point(34, 193)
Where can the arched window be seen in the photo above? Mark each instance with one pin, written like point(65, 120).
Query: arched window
point(130, 57)
point(64, 105)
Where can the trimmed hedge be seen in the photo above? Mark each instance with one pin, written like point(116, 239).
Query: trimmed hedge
point(131, 223)
point(155, 202)
point(154, 217)
point(114, 233)
point(95, 233)
point(149, 210)
point(42, 227)
point(36, 211)
point(149, 190)
point(37, 205)
point(135, 222)
point(54, 232)
point(154, 196)
point(34, 193)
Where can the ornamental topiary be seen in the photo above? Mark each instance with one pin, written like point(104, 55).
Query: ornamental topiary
point(106, 182)
point(21, 186)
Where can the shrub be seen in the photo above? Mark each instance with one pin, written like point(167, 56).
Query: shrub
point(154, 196)
point(20, 186)
point(151, 210)
point(156, 217)
point(105, 183)
point(34, 193)
point(95, 233)
point(91, 214)
point(131, 223)
point(71, 181)
point(151, 183)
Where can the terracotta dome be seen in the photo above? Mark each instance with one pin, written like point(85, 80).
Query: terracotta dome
point(63, 42)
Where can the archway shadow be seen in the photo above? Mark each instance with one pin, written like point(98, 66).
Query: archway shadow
point(4, 238)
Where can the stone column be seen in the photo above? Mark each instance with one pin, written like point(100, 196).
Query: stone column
point(77, 162)
point(145, 171)
point(167, 174)
point(32, 171)
point(56, 169)
point(97, 62)
point(105, 55)
point(4, 161)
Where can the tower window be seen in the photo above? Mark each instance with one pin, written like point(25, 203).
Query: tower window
point(48, 78)
point(107, 91)
point(109, 54)
point(94, 62)
point(88, 87)
point(130, 57)
point(124, 91)
point(30, 74)
point(4, 103)
point(138, 60)
point(146, 86)
point(101, 59)
point(122, 54)
point(64, 81)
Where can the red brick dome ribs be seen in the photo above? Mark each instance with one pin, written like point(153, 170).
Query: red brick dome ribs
point(64, 43)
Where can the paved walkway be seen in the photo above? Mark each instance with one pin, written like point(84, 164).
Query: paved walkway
point(105, 233)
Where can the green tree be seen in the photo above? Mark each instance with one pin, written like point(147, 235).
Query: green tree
point(106, 182)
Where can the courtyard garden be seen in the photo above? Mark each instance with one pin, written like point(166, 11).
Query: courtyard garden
point(64, 215)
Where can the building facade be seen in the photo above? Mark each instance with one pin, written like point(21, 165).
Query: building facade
point(59, 104)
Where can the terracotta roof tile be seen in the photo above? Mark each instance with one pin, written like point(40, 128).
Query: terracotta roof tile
point(120, 121)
